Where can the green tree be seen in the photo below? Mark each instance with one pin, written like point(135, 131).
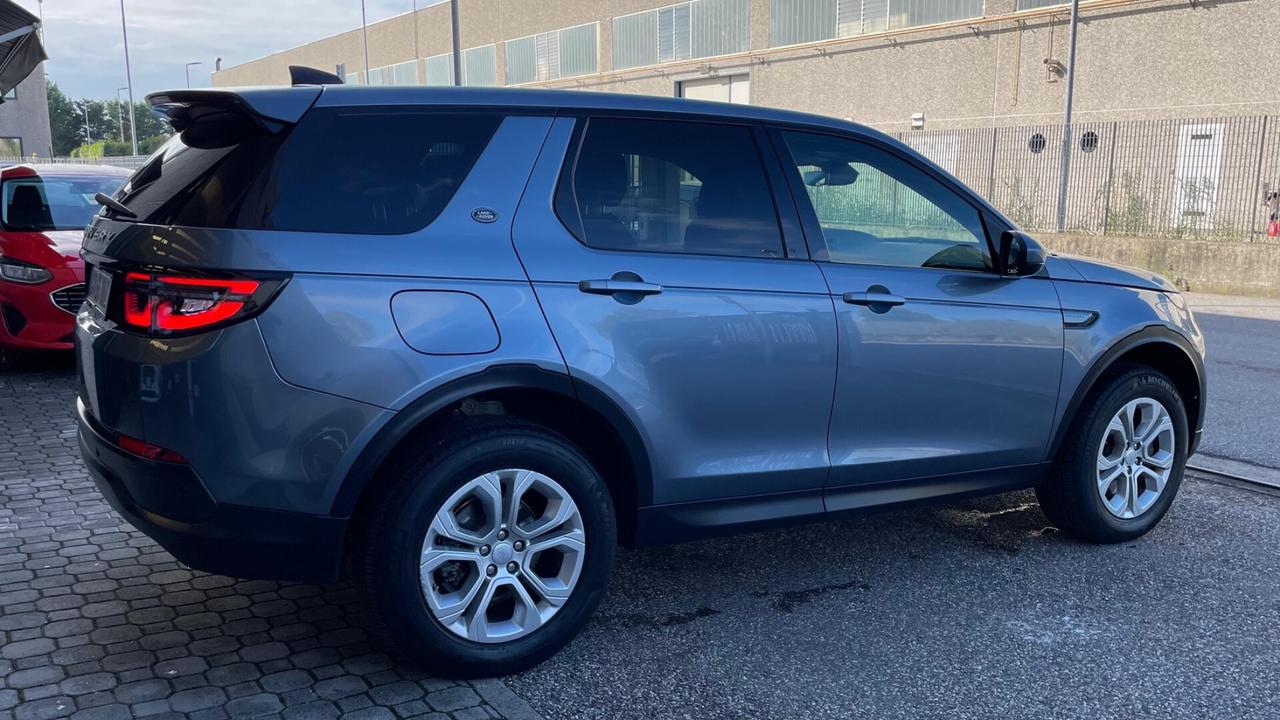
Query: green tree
point(65, 121)
point(68, 126)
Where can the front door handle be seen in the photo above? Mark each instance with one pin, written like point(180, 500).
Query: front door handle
point(618, 287)
point(876, 297)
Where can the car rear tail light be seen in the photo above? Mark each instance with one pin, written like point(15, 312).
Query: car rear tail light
point(147, 450)
point(169, 304)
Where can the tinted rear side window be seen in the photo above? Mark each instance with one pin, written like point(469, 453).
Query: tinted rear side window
point(674, 187)
point(341, 170)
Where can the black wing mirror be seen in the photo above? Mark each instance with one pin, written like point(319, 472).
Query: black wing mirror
point(1020, 254)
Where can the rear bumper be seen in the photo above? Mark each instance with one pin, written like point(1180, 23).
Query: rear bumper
point(168, 502)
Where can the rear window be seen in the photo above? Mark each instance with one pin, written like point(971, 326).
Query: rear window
point(39, 204)
point(341, 170)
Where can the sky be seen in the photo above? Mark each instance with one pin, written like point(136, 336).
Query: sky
point(86, 52)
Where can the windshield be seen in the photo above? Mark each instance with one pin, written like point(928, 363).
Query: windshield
point(38, 204)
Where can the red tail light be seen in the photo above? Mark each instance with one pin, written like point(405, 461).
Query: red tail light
point(165, 304)
point(148, 451)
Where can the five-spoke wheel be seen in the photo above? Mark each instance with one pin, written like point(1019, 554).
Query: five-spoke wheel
point(502, 555)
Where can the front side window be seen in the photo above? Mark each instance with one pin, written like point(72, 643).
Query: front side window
point(36, 204)
point(876, 208)
point(674, 187)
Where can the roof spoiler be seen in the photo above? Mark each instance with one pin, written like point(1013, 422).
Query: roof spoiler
point(271, 108)
point(303, 75)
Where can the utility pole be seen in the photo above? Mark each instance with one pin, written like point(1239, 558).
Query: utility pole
point(88, 135)
point(128, 76)
point(1064, 174)
point(457, 51)
point(120, 112)
point(364, 30)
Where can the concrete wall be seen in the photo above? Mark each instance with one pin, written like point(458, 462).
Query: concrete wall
point(1137, 59)
point(26, 116)
point(1194, 265)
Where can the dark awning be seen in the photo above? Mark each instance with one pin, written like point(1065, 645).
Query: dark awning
point(20, 47)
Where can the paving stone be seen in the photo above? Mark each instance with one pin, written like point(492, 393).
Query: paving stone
point(98, 622)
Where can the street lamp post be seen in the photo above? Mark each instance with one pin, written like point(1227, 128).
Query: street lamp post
point(88, 134)
point(188, 69)
point(120, 112)
point(364, 30)
point(457, 52)
point(128, 75)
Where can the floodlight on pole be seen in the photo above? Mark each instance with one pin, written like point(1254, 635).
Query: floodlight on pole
point(188, 69)
point(128, 76)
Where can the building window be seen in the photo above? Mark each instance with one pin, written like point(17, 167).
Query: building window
point(479, 67)
point(355, 78)
point(1033, 4)
point(551, 55)
point(10, 147)
point(1037, 143)
point(405, 73)
point(800, 21)
point(1089, 141)
point(700, 28)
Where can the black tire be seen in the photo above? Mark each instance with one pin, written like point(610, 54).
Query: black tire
point(1070, 497)
point(417, 483)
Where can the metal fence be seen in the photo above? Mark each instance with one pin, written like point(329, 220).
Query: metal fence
point(129, 162)
point(1203, 178)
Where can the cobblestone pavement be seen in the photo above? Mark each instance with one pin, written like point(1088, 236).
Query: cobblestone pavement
point(98, 622)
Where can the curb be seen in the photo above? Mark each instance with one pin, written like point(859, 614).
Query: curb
point(1258, 474)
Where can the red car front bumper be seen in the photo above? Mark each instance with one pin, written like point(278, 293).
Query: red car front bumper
point(42, 317)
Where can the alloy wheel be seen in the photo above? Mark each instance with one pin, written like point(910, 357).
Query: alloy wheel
point(1135, 458)
point(502, 555)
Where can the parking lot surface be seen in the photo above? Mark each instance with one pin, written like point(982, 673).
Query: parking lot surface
point(974, 609)
point(97, 622)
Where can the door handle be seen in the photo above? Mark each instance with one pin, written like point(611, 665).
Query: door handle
point(874, 298)
point(616, 287)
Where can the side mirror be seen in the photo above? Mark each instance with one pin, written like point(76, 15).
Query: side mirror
point(1020, 254)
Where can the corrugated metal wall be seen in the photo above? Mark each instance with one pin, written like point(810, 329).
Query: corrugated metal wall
point(720, 27)
point(1030, 4)
point(440, 69)
point(578, 50)
point(522, 60)
point(635, 40)
point(701, 28)
point(798, 21)
point(480, 66)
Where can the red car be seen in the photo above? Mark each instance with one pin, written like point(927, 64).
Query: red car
point(43, 212)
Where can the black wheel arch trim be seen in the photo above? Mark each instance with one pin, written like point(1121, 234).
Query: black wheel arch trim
point(1153, 334)
point(498, 377)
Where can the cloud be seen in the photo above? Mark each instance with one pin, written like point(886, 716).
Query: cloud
point(86, 52)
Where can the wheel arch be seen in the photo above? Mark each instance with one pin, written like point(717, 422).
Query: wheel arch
point(575, 409)
point(1160, 348)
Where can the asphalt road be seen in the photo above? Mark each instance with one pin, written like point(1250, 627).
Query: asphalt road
point(1243, 418)
point(966, 611)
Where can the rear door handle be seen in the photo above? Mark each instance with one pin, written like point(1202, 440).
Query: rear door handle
point(873, 298)
point(615, 287)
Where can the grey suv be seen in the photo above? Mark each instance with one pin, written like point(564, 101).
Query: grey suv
point(462, 342)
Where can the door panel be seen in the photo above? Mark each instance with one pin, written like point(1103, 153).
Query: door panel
point(962, 376)
point(945, 367)
point(727, 371)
